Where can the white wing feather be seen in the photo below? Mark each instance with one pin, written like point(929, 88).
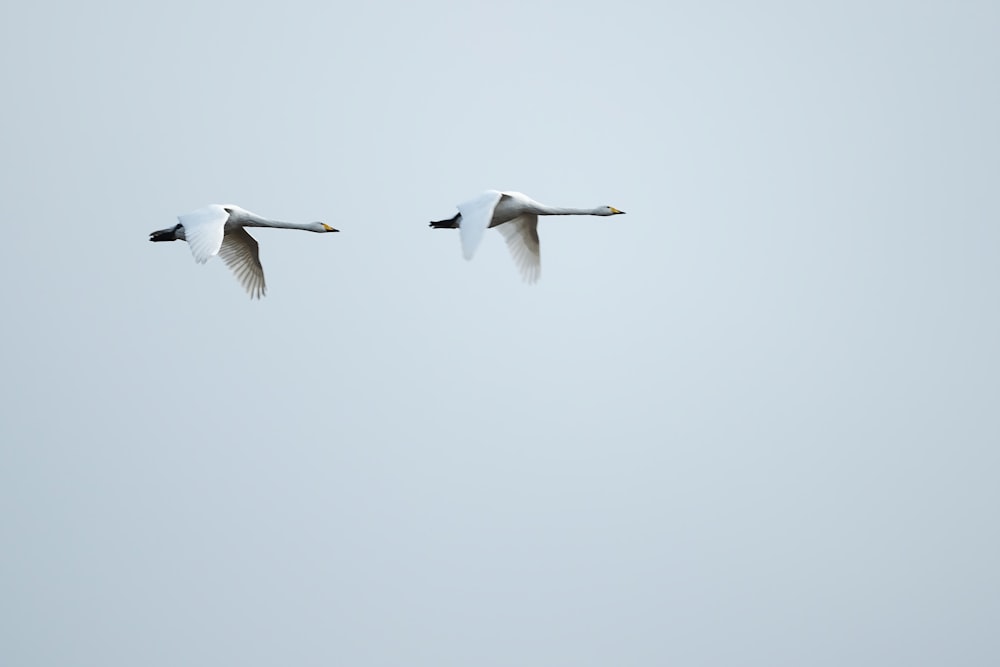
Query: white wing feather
point(476, 217)
point(203, 230)
point(240, 252)
point(521, 235)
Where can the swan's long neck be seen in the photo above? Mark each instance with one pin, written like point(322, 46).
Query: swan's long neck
point(542, 209)
point(256, 221)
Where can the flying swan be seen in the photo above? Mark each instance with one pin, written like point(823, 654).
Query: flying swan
point(516, 217)
point(219, 230)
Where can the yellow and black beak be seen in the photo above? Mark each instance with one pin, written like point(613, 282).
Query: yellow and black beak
point(615, 211)
point(329, 228)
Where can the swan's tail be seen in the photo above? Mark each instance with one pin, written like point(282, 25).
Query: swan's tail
point(165, 234)
point(451, 223)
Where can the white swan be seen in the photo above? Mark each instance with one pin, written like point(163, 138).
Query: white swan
point(516, 217)
point(219, 230)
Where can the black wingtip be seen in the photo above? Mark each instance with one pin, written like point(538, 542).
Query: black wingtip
point(450, 223)
point(165, 234)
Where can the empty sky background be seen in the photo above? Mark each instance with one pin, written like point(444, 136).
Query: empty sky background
point(753, 422)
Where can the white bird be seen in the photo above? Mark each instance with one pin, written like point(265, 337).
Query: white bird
point(516, 217)
point(219, 230)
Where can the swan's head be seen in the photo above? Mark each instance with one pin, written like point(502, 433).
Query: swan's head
point(320, 227)
point(609, 210)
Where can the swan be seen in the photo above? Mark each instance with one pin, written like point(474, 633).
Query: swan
point(515, 215)
point(219, 230)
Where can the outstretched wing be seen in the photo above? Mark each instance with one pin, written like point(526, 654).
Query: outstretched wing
point(521, 235)
point(239, 252)
point(203, 230)
point(476, 217)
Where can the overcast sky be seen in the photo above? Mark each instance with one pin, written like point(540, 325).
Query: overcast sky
point(755, 421)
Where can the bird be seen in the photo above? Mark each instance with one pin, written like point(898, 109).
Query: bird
point(515, 215)
point(220, 230)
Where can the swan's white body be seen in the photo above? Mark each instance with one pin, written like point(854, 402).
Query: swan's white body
point(219, 230)
point(515, 215)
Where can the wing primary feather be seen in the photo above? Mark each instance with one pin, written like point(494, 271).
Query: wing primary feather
point(521, 235)
point(477, 214)
point(241, 254)
point(204, 230)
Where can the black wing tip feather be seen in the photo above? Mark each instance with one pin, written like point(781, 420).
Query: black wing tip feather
point(164, 234)
point(450, 223)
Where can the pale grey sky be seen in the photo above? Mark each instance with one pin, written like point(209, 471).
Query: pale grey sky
point(753, 422)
